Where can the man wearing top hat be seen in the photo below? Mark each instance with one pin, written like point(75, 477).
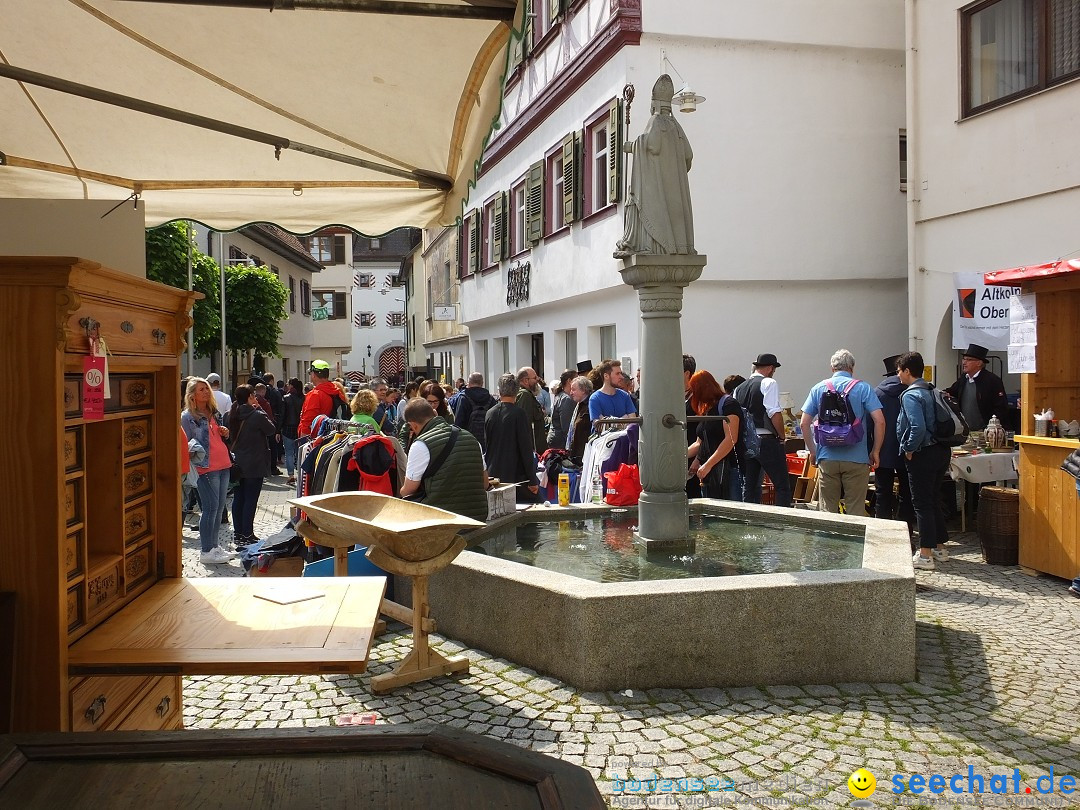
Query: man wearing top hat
point(891, 467)
point(981, 394)
point(760, 398)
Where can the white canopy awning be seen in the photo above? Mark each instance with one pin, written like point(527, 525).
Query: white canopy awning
point(413, 92)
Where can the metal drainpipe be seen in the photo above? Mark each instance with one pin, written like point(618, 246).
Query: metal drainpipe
point(914, 184)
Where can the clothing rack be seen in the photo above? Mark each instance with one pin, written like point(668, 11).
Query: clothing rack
point(345, 426)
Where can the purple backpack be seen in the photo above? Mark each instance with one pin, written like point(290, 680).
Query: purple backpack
point(836, 424)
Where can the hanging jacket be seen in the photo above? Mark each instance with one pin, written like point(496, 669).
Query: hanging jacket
point(375, 459)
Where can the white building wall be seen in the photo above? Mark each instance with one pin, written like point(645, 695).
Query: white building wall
point(796, 190)
point(996, 190)
point(380, 300)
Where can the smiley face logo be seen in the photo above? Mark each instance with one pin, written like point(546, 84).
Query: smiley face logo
point(862, 784)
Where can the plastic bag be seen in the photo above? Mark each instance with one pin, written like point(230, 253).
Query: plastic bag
point(623, 485)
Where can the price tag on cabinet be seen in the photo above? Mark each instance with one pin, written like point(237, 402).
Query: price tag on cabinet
point(93, 389)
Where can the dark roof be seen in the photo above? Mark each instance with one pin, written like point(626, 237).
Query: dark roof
point(283, 243)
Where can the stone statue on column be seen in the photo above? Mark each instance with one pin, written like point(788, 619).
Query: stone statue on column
point(658, 215)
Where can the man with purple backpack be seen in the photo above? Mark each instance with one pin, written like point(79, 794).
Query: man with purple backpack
point(834, 428)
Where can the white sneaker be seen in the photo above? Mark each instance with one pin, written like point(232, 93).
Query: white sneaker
point(919, 561)
point(941, 554)
point(215, 556)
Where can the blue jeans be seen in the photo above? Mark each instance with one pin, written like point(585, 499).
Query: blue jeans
point(245, 502)
point(772, 461)
point(290, 455)
point(213, 487)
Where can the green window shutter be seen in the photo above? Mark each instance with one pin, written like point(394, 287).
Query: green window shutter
point(474, 242)
point(517, 48)
point(463, 247)
point(555, 8)
point(528, 29)
point(615, 153)
point(498, 249)
point(339, 249)
point(534, 204)
point(571, 190)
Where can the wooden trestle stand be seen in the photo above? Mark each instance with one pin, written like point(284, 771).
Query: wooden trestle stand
point(410, 540)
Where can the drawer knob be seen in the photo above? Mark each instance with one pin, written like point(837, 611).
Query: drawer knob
point(95, 710)
point(135, 523)
point(134, 435)
point(128, 327)
point(137, 393)
point(163, 707)
point(159, 336)
point(136, 480)
point(90, 325)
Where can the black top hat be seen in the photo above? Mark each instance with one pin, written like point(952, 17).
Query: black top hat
point(890, 364)
point(255, 379)
point(766, 359)
point(976, 351)
point(585, 366)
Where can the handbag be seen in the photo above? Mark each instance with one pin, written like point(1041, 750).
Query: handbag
point(624, 485)
point(235, 471)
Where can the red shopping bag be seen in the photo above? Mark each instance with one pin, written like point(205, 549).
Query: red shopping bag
point(623, 485)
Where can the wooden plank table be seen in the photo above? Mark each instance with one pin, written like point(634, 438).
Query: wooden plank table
point(224, 627)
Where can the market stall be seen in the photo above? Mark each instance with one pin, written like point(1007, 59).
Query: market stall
point(1048, 346)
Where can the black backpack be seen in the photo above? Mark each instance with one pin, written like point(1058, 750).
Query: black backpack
point(836, 424)
point(340, 409)
point(950, 427)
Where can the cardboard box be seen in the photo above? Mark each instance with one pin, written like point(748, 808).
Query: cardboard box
point(502, 501)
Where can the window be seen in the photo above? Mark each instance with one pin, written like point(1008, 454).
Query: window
point(469, 243)
point(517, 219)
point(1012, 48)
point(364, 320)
point(328, 249)
point(395, 320)
point(395, 280)
point(553, 198)
point(292, 294)
point(364, 280)
point(494, 230)
point(328, 305)
point(275, 271)
point(376, 244)
point(603, 158)
point(903, 160)
point(305, 298)
point(607, 342)
point(570, 354)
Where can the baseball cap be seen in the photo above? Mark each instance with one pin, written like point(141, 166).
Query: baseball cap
point(213, 377)
point(320, 365)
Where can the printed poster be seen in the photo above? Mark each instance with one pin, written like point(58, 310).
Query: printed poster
point(981, 312)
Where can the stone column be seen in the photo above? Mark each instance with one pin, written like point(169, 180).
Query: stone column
point(663, 518)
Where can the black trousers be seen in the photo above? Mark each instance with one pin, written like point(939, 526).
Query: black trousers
point(771, 461)
point(926, 469)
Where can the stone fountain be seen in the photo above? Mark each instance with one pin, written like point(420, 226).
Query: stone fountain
point(659, 260)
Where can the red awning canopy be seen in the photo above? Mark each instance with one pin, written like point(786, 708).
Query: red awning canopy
point(1018, 275)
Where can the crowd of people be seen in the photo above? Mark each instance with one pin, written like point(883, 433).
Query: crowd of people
point(459, 439)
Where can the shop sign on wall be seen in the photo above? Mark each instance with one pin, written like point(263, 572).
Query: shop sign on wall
point(980, 312)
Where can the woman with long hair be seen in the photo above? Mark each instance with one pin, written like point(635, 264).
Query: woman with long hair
point(716, 451)
point(290, 424)
point(435, 394)
point(250, 427)
point(562, 409)
point(202, 422)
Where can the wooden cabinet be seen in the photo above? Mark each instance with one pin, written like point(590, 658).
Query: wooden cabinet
point(1049, 507)
point(89, 508)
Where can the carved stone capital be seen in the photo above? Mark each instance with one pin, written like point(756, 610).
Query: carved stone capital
point(648, 270)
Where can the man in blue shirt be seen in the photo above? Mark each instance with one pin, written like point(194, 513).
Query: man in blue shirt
point(844, 471)
point(608, 400)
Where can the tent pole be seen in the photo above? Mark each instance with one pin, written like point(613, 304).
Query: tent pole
point(191, 286)
point(490, 10)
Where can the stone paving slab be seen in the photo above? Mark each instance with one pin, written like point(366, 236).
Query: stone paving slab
point(997, 691)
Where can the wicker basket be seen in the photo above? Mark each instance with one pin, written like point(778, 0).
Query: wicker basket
point(999, 525)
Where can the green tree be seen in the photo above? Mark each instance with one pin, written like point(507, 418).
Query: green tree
point(255, 302)
point(166, 262)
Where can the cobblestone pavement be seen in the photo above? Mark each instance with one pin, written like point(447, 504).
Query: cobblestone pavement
point(997, 690)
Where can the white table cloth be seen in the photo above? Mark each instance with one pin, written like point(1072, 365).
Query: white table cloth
point(981, 469)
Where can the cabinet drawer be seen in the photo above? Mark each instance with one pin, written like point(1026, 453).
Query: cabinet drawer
point(137, 479)
point(101, 702)
point(159, 708)
point(73, 507)
point(127, 330)
point(137, 522)
point(72, 449)
point(138, 565)
point(131, 392)
point(75, 617)
point(73, 550)
point(102, 587)
point(72, 395)
point(136, 435)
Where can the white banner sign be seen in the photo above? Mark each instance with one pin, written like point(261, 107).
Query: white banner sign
point(980, 313)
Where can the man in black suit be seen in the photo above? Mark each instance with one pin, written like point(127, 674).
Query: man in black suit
point(981, 393)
